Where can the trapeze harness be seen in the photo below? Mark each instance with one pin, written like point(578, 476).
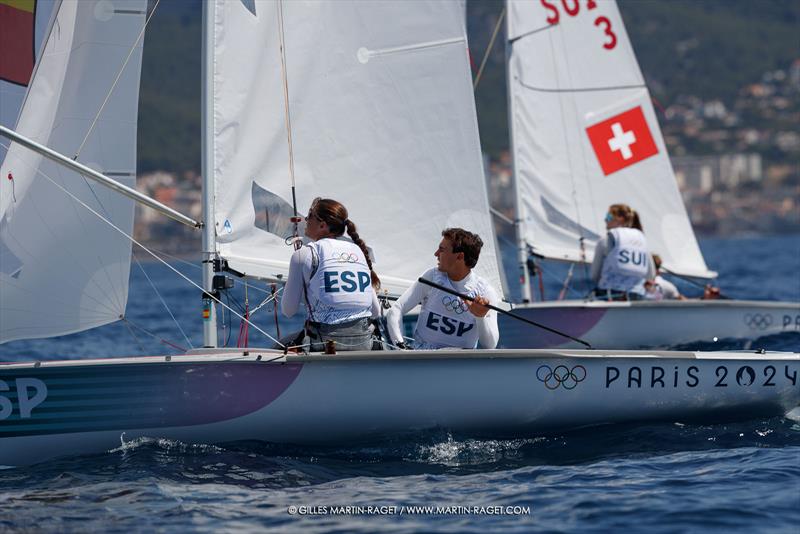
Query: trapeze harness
point(444, 320)
point(625, 265)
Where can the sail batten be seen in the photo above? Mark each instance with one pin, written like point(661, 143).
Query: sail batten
point(585, 136)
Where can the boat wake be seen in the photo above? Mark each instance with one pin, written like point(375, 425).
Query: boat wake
point(785, 341)
point(166, 445)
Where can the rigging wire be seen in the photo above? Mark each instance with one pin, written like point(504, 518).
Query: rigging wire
point(146, 249)
point(176, 258)
point(241, 342)
point(130, 323)
point(133, 334)
point(274, 297)
point(564, 129)
point(107, 306)
point(163, 302)
point(567, 280)
point(288, 119)
point(116, 80)
point(489, 49)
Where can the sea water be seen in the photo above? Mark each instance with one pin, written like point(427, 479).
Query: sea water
point(657, 478)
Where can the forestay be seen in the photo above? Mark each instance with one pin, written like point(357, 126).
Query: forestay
point(62, 269)
point(382, 119)
point(585, 136)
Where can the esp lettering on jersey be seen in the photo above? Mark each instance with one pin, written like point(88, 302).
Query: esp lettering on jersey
point(340, 289)
point(444, 320)
point(347, 281)
point(447, 325)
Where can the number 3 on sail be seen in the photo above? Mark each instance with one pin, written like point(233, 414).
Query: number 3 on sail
point(573, 8)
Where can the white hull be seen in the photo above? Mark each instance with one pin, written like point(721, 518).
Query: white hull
point(647, 324)
point(76, 407)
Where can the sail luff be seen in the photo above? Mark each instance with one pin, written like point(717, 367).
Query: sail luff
point(519, 221)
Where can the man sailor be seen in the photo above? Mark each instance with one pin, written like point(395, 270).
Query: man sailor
point(445, 320)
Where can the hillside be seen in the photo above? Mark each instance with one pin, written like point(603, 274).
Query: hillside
point(708, 49)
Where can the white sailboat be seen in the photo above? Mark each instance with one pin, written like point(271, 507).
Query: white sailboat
point(380, 106)
point(584, 136)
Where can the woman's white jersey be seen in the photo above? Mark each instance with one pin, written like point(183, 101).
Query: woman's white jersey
point(339, 288)
point(625, 266)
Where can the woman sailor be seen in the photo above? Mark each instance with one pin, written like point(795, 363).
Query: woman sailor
point(333, 276)
point(622, 262)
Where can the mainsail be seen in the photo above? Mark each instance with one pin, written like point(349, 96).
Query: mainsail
point(585, 136)
point(382, 119)
point(63, 269)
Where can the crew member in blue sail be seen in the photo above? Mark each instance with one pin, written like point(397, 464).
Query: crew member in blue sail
point(446, 321)
point(333, 276)
point(622, 262)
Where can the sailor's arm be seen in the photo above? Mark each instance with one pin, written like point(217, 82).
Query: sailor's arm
point(651, 267)
point(376, 306)
point(293, 291)
point(599, 256)
point(394, 317)
point(486, 319)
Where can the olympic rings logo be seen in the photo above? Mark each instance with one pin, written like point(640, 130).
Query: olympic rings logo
point(455, 305)
point(758, 321)
point(346, 257)
point(561, 376)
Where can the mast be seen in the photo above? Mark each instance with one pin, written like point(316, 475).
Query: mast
point(519, 228)
point(207, 171)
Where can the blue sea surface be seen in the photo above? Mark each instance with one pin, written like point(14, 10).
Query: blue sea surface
point(671, 477)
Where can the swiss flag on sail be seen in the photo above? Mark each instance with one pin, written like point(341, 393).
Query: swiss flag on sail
point(622, 140)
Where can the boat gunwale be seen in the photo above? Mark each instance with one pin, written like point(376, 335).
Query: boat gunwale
point(270, 356)
point(672, 303)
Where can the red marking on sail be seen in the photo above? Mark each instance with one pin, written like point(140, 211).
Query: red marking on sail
point(17, 23)
point(622, 140)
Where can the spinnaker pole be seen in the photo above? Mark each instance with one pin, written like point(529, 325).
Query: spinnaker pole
point(97, 176)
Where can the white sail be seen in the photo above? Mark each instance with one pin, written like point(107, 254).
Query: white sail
point(585, 136)
point(62, 269)
point(382, 119)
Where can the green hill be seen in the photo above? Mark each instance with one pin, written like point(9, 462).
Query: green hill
point(706, 48)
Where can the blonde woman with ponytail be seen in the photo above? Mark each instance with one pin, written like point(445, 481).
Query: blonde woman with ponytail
point(622, 262)
point(333, 277)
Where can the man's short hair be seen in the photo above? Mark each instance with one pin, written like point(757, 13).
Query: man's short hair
point(467, 242)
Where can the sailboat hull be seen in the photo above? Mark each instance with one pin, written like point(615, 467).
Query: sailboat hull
point(645, 324)
point(77, 407)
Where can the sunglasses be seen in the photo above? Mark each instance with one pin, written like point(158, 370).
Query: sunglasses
point(609, 217)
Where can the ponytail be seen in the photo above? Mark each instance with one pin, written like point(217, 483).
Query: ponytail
point(635, 222)
point(627, 214)
point(353, 234)
point(334, 214)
